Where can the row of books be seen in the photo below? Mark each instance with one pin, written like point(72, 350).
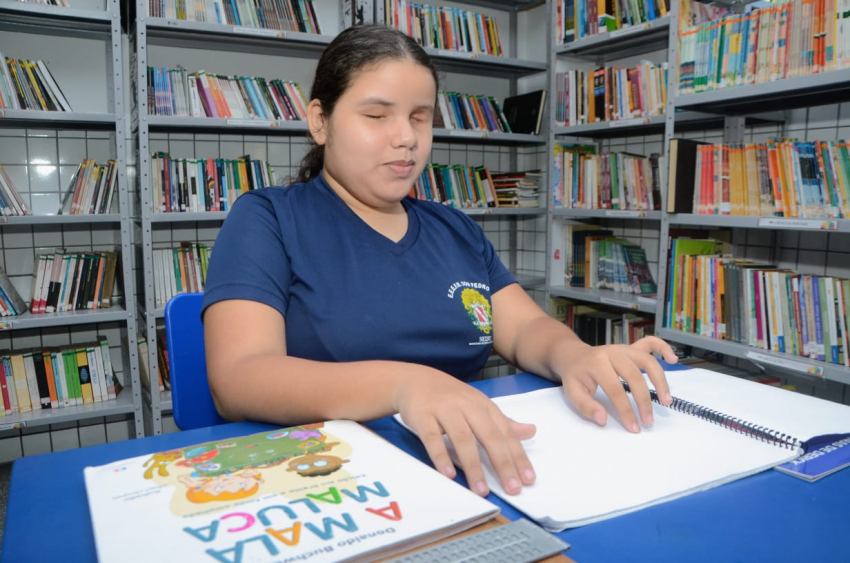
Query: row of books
point(474, 186)
point(182, 269)
point(10, 300)
point(10, 201)
point(584, 180)
point(65, 281)
point(596, 326)
point(54, 378)
point(611, 93)
point(284, 15)
point(469, 112)
point(442, 27)
point(757, 304)
point(578, 19)
point(164, 374)
point(782, 40)
point(204, 184)
point(63, 3)
point(781, 177)
point(91, 189)
point(202, 94)
point(518, 189)
point(28, 84)
point(617, 264)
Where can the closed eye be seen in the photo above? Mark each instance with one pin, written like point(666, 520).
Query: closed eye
point(375, 116)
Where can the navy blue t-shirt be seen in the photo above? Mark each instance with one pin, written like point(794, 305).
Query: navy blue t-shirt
point(349, 293)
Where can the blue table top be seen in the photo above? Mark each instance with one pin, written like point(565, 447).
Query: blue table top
point(767, 517)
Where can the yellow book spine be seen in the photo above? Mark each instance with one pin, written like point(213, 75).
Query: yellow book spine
point(85, 376)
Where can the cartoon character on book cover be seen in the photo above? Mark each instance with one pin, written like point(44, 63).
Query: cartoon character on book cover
point(291, 462)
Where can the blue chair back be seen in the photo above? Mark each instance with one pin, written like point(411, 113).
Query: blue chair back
point(191, 399)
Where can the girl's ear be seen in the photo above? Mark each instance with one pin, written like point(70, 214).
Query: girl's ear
point(316, 122)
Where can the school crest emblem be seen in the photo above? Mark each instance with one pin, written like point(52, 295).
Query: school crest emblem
point(478, 309)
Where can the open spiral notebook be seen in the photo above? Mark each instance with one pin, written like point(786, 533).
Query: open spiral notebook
point(721, 429)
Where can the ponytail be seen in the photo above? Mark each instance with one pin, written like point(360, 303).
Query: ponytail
point(312, 163)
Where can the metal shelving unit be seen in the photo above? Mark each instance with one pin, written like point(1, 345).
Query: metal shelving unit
point(772, 223)
point(607, 214)
point(600, 49)
point(104, 26)
point(606, 297)
point(626, 42)
point(736, 104)
point(765, 358)
point(150, 31)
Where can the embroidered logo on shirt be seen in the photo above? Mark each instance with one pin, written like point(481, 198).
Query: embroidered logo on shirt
point(478, 309)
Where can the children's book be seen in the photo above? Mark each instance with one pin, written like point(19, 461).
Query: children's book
point(328, 492)
point(719, 429)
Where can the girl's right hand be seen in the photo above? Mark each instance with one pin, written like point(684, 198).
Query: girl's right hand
point(434, 403)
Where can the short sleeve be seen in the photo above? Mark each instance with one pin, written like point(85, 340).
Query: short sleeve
point(249, 259)
point(499, 275)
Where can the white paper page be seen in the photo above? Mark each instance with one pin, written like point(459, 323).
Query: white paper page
point(801, 416)
point(586, 473)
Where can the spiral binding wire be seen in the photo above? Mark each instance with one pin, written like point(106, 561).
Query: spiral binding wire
point(726, 421)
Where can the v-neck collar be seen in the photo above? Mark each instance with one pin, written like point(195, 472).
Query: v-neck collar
point(396, 248)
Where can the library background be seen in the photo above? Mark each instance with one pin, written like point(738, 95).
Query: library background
point(642, 166)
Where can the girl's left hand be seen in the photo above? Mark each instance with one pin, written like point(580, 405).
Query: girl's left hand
point(604, 366)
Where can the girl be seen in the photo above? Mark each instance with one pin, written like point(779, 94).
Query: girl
point(340, 297)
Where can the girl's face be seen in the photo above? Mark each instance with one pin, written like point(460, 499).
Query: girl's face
point(378, 139)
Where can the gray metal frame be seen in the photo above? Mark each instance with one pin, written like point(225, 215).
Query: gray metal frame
point(104, 25)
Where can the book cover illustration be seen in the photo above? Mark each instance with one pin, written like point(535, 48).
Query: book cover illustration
point(327, 492)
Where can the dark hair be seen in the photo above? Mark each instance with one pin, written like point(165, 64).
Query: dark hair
point(350, 52)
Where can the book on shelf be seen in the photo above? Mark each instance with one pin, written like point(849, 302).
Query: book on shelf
point(26, 84)
point(204, 184)
point(610, 94)
point(283, 15)
point(57, 377)
point(70, 281)
point(775, 41)
point(332, 491)
point(777, 178)
point(618, 265)
point(456, 186)
point(621, 181)
point(10, 200)
point(682, 171)
point(91, 189)
point(439, 27)
point(182, 269)
point(61, 3)
point(177, 92)
point(518, 189)
point(524, 112)
point(598, 326)
point(163, 371)
point(760, 305)
point(577, 19)
point(469, 112)
point(10, 300)
point(719, 429)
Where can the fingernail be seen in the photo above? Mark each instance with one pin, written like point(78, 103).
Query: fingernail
point(513, 484)
point(635, 427)
point(448, 471)
point(648, 419)
point(481, 488)
point(599, 417)
point(668, 398)
point(528, 474)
